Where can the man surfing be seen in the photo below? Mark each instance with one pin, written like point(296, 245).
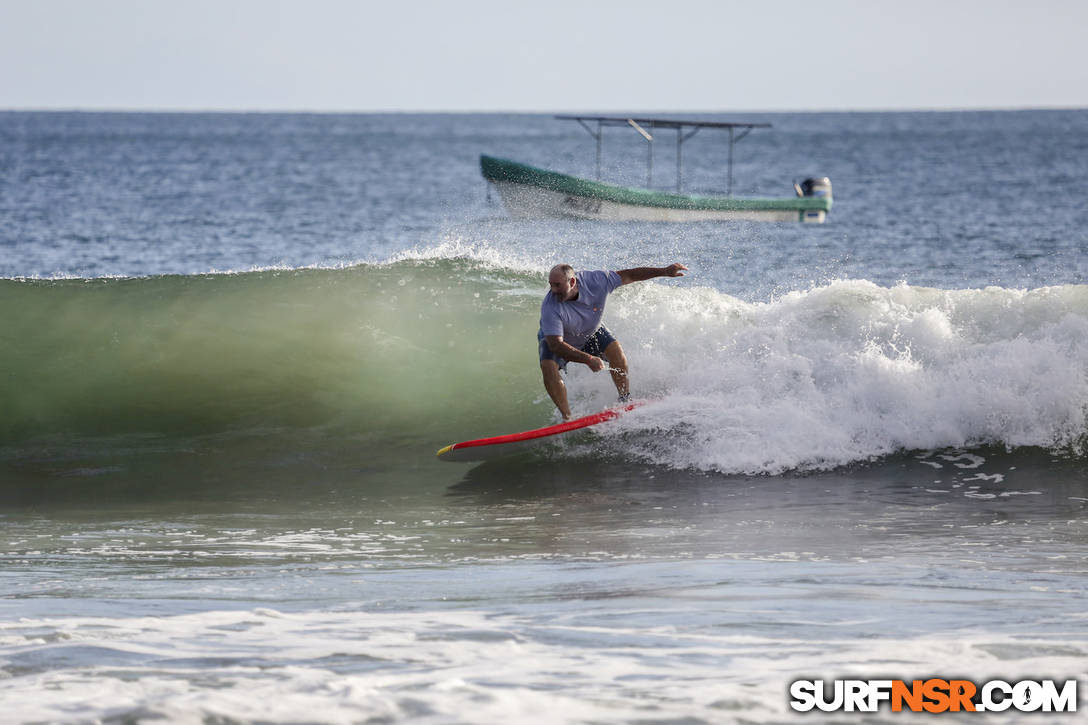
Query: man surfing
point(571, 329)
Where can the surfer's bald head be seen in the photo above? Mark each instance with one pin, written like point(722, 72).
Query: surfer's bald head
point(563, 271)
point(562, 282)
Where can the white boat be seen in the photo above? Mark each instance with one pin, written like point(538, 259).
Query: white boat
point(529, 192)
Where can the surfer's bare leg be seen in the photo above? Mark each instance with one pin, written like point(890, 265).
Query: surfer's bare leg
point(617, 363)
point(557, 389)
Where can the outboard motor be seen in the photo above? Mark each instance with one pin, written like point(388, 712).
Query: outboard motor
point(820, 186)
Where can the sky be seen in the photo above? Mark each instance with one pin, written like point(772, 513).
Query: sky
point(541, 56)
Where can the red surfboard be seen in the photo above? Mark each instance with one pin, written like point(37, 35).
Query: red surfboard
point(485, 448)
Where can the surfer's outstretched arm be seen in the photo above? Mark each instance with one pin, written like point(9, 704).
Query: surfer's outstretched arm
point(640, 274)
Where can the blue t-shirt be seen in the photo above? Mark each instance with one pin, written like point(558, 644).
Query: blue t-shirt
point(578, 319)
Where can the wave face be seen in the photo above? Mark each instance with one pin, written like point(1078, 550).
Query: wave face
point(416, 353)
point(372, 347)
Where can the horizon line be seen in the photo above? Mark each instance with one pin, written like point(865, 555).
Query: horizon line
point(528, 112)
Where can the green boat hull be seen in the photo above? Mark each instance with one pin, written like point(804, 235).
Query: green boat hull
point(529, 192)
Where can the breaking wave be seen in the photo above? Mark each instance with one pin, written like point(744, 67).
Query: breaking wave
point(419, 351)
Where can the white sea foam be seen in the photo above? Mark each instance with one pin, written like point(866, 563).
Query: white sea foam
point(847, 372)
point(469, 666)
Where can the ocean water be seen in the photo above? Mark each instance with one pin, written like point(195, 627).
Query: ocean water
point(231, 344)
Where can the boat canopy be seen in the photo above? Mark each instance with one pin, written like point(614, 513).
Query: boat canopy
point(645, 126)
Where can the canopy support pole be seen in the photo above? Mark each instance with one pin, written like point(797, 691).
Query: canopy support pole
point(597, 135)
point(649, 152)
point(681, 137)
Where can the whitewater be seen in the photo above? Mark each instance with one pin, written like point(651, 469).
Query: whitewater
point(230, 346)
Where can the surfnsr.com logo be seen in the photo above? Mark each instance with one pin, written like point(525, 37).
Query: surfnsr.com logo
point(934, 695)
